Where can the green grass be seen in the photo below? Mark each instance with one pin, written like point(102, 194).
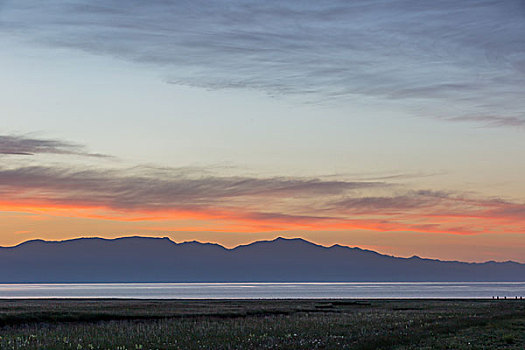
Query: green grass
point(262, 324)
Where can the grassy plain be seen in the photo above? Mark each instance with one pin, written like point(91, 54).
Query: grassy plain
point(262, 324)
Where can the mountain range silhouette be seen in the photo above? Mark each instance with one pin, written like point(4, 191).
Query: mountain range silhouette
point(147, 259)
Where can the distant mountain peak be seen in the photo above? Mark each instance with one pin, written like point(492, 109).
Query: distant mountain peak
point(292, 240)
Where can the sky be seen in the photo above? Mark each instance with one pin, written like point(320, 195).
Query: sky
point(396, 126)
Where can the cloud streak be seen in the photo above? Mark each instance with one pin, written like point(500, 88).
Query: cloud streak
point(157, 189)
point(455, 60)
point(250, 204)
point(491, 120)
point(22, 145)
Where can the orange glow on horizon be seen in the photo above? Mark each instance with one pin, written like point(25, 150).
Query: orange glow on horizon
point(235, 220)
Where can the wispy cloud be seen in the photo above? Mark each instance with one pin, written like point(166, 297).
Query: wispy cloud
point(22, 145)
point(157, 189)
point(491, 120)
point(399, 203)
point(441, 58)
point(250, 204)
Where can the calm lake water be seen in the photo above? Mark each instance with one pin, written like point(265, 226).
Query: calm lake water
point(264, 290)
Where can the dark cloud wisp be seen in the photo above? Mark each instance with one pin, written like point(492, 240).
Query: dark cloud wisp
point(22, 145)
point(149, 190)
point(252, 203)
point(158, 190)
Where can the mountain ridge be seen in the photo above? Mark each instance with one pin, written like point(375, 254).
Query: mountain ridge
point(277, 239)
point(159, 259)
